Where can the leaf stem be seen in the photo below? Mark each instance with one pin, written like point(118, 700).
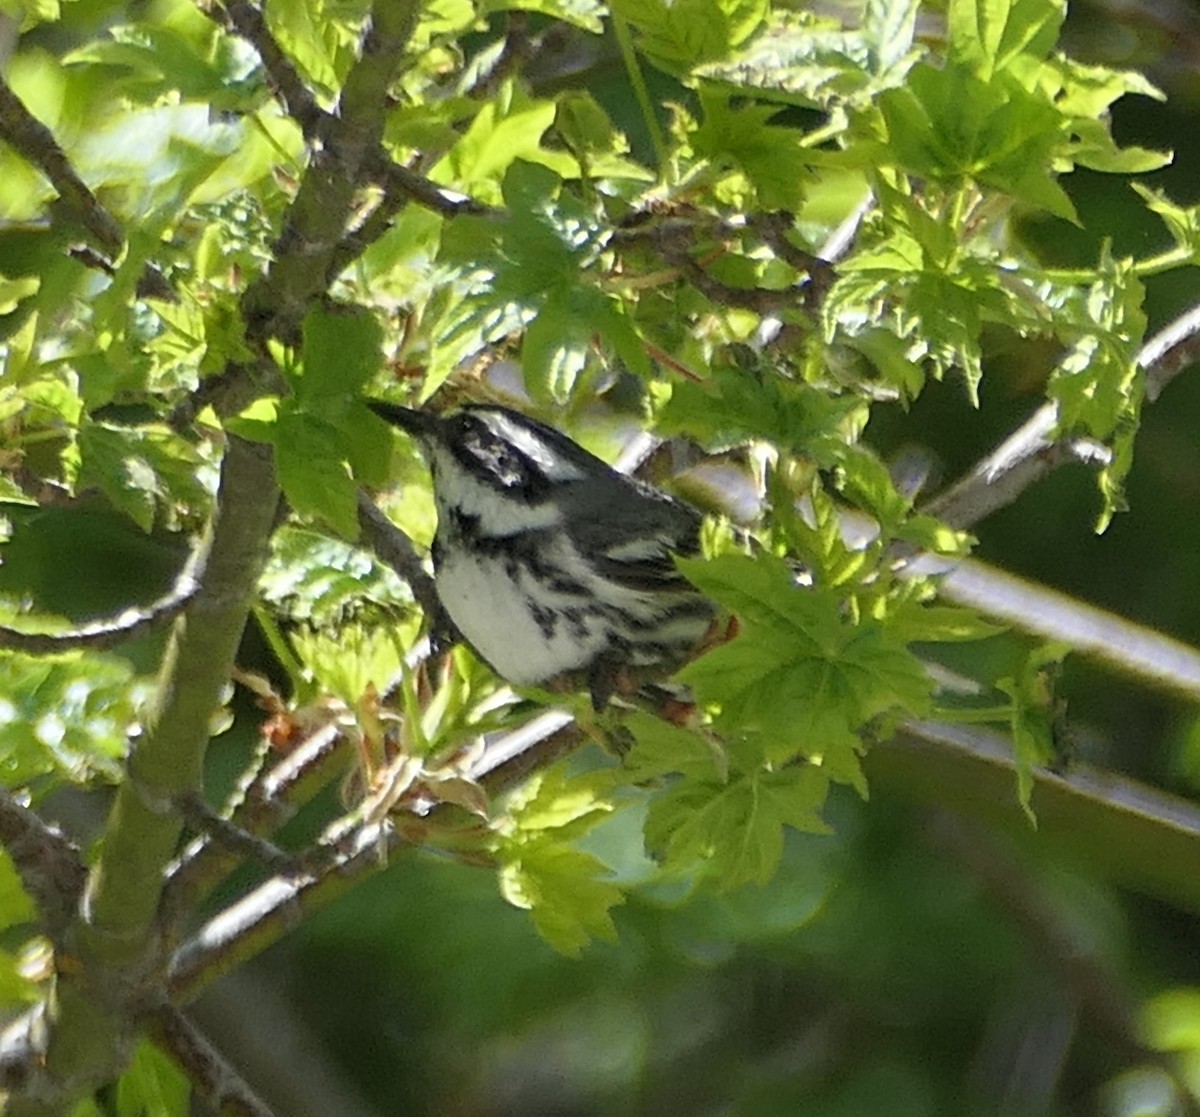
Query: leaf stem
point(1176, 257)
point(638, 80)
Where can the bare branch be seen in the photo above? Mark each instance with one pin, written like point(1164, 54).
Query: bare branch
point(1173, 349)
point(270, 798)
point(346, 855)
point(246, 20)
point(131, 624)
point(1031, 452)
point(402, 182)
point(217, 1082)
point(397, 550)
point(1135, 833)
point(50, 866)
point(264, 915)
point(239, 841)
point(315, 223)
point(1132, 649)
point(28, 135)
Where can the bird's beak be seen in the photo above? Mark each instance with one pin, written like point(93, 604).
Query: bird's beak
point(414, 422)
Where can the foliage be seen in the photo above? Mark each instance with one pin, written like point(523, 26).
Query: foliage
point(680, 271)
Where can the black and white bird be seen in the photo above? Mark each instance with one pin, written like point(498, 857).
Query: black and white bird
point(551, 564)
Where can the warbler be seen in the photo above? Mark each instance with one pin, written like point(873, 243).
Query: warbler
point(554, 567)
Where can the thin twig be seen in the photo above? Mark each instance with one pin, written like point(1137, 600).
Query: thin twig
point(130, 624)
point(216, 1081)
point(246, 20)
point(49, 865)
point(1170, 351)
point(400, 180)
point(271, 797)
point(1031, 452)
point(239, 841)
point(397, 550)
point(345, 855)
point(400, 186)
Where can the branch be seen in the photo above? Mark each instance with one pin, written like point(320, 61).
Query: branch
point(346, 855)
point(115, 940)
point(32, 139)
point(400, 186)
point(1132, 649)
point(270, 798)
point(400, 181)
point(246, 20)
point(315, 223)
point(127, 625)
point(1170, 351)
point(49, 865)
point(1031, 453)
point(1143, 837)
point(217, 1082)
point(397, 550)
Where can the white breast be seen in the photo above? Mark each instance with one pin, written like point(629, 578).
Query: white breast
point(492, 611)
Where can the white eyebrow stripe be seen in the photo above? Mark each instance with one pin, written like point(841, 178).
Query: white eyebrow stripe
point(552, 464)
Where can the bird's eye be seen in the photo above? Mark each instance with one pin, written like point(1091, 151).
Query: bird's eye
point(496, 458)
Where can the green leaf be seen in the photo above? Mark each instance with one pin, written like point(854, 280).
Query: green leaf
point(311, 457)
point(735, 830)
point(770, 156)
point(17, 990)
point(555, 347)
point(152, 1085)
point(560, 804)
point(990, 36)
point(949, 124)
point(1170, 1021)
point(1182, 222)
point(321, 44)
point(1100, 385)
point(341, 352)
point(15, 907)
point(660, 747)
point(682, 34)
point(140, 469)
point(1035, 716)
point(508, 128)
point(734, 405)
point(69, 715)
point(585, 14)
point(889, 26)
point(804, 59)
point(564, 891)
point(800, 674)
point(311, 577)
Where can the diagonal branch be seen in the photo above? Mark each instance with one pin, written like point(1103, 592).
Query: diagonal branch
point(264, 915)
point(397, 550)
point(29, 136)
point(50, 867)
point(246, 19)
point(217, 1082)
point(1032, 452)
point(316, 220)
point(127, 625)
